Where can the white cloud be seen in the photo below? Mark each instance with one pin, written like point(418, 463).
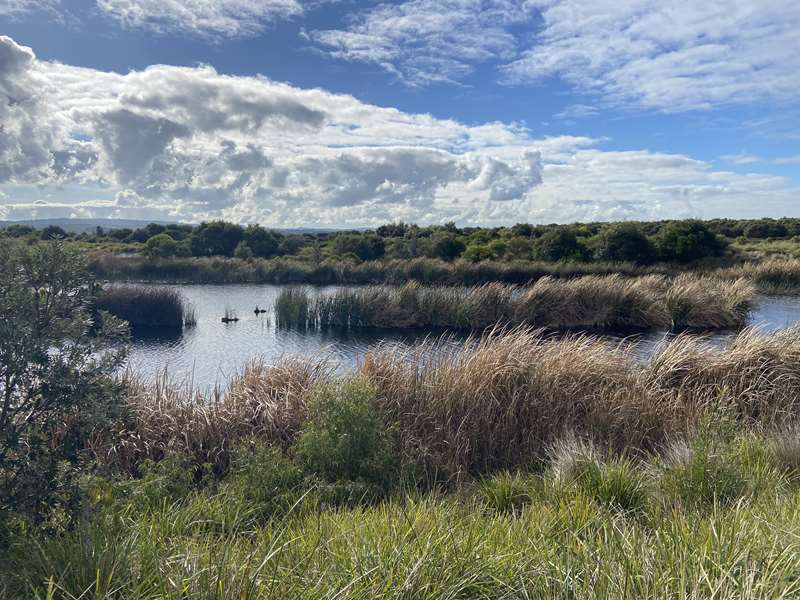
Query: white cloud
point(429, 41)
point(742, 158)
point(17, 7)
point(748, 159)
point(228, 18)
point(190, 144)
point(670, 56)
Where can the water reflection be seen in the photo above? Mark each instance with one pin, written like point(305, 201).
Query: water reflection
point(213, 351)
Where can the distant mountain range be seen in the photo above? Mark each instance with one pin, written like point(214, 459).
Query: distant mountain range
point(90, 225)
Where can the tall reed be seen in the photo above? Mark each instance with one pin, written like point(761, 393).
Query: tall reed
point(499, 401)
point(146, 306)
point(608, 302)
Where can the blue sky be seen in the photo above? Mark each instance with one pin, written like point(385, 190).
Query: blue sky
point(351, 113)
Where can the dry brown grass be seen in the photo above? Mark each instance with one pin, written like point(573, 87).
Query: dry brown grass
point(594, 302)
point(773, 275)
point(497, 402)
point(267, 401)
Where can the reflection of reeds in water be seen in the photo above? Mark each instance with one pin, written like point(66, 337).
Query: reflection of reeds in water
point(190, 316)
point(497, 402)
point(593, 302)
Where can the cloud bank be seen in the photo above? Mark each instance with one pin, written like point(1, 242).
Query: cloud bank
point(190, 143)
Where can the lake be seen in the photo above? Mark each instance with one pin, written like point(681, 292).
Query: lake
point(211, 352)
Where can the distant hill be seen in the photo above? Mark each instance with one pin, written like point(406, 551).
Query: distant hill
point(89, 225)
point(83, 225)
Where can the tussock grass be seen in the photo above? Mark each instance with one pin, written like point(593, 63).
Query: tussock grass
point(596, 303)
point(265, 401)
point(147, 307)
point(773, 275)
point(497, 402)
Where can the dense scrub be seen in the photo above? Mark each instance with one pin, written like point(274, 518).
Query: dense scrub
point(591, 302)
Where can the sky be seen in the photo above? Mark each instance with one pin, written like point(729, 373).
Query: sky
point(354, 113)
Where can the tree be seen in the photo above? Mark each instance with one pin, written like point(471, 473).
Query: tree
point(366, 246)
point(56, 366)
point(262, 242)
point(161, 246)
point(243, 251)
point(559, 244)
point(446, 246)
point(216, 238)
point(53, 232)
point(685, 241)
point(624, 242)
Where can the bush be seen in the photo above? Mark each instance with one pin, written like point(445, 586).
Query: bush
point(624, 242)
point(707, 469)
point(686, 241)
point(57, 365)
point(505, 492)
point(262, 480)
point(345, 439)
point(616, 482)
point(559, 244)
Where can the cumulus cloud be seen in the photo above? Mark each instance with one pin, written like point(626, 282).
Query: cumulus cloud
point(670, 56)
point(429, 41)
point(189, 143)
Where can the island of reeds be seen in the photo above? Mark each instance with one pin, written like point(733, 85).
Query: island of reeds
point(514, 465)
point(599, 303)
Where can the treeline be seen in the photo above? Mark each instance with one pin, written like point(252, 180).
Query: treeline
point(637, 242)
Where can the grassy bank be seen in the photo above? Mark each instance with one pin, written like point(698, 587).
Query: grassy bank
point(511, 536)
point(591, 302)
point(768, 275)
point(146, 307)
point(518, 466)
point(292, 271)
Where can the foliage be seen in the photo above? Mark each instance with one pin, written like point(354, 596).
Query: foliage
point(685, 241)
point(56, 363)
point(559, 244)
point(344, 438)
point(216, 238)
point(624, 242)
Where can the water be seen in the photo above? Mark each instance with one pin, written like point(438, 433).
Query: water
point(210, 353)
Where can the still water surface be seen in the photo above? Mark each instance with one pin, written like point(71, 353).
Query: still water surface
point(212, 352)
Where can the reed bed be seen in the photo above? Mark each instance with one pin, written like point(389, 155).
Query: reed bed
point(265, 401)
point(773, 275)
point(608, 302)
point(147, 307)
point(496, 402)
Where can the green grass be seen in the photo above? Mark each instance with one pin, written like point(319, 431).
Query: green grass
point(614, 532)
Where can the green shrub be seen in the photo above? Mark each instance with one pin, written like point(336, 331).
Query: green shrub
point(711, 468)
point(168, 480)
point(685, 241)
point(615, 482)
point(345, 438)
point(263, 480)
point(505, 492)
point(624, 242)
